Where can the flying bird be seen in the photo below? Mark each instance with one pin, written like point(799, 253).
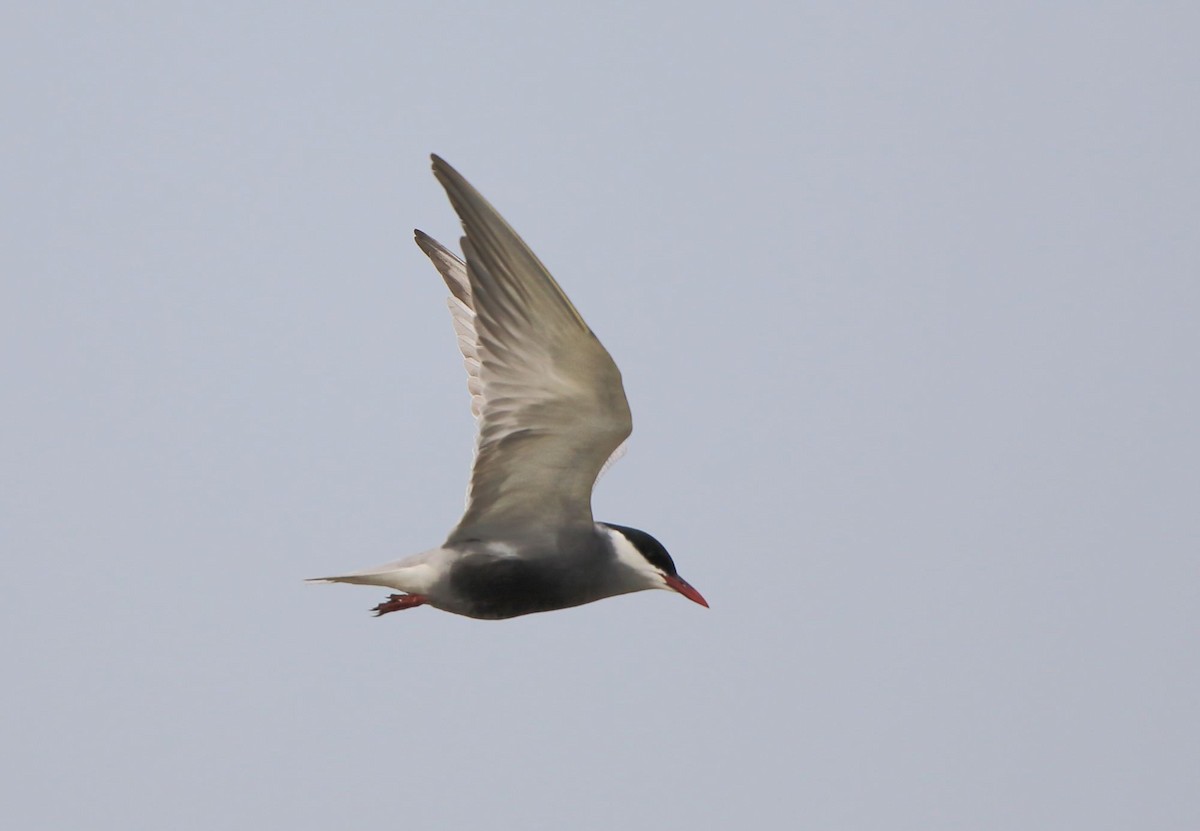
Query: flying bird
point(551, 416)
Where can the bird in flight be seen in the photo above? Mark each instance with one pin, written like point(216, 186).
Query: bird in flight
point(551, 416)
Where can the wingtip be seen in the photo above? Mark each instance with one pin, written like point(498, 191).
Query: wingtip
point(430, 246)
point(450, 178)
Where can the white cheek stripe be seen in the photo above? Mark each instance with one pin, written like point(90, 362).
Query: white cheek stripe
point(628, 555)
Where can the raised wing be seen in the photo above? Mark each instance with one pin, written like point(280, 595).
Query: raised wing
point(548, 397)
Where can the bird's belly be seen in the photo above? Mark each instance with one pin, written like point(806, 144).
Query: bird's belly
point(493, 588)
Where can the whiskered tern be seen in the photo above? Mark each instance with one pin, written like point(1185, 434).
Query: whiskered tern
point(551, 416)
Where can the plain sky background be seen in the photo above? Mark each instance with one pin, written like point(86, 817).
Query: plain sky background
point(906, 299)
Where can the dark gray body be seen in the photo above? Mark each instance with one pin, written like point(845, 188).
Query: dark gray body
point(491, 581)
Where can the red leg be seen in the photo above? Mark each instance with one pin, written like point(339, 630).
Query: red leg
point(399, 602)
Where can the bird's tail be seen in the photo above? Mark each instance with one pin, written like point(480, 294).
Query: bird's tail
point(414, 575)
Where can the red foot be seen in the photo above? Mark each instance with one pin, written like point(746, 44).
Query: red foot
point(399, 602)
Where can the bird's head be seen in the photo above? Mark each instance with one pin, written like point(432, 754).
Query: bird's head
point(649, 562)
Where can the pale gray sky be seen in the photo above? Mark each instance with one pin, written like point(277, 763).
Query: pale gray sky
point(906, 302)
